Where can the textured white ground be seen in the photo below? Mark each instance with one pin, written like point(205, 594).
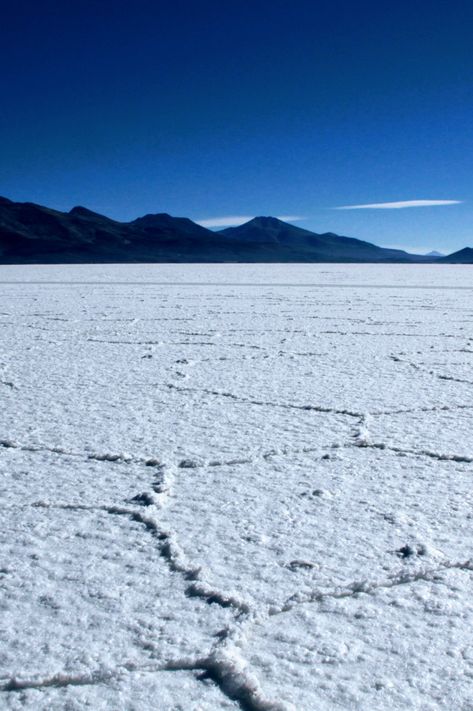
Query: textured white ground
point(236, 487)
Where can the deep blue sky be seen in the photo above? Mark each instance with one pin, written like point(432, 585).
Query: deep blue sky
point(209, 109)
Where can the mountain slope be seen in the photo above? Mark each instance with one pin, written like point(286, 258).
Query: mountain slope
point(463, 256)
point(31, 233)
point(275, 236)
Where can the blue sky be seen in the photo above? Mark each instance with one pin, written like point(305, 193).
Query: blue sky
point(232, 109)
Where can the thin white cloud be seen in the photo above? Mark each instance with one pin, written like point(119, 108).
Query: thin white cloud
point(291, 218)
point(229, 221)
point(399, 205)
point(235, 220)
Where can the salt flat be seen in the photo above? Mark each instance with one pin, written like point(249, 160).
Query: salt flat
point(236, 486)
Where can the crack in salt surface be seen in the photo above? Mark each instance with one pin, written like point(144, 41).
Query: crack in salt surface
point(430, 371)
point(153, 343)
point(41, 504)
point(61, 679)
point(227, 670)
point(264, 456)
point(451, 377)
point(362, 438)
point(317, 408)
point(460, 458)
point(91, 678)
point(412, 410)
point(370, 586)
point(404, 335)
point(178, 562)
point(286, 406)
point(113, 457)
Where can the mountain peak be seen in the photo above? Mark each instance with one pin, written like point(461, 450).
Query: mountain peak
point(90, 216)
point(266, 220)
point(83, 211)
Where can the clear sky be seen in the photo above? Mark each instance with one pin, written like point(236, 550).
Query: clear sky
point(238, 108)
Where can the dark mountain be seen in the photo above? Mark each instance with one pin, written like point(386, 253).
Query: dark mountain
point(32, 234)
point(280, 241)
point(463, 256)
point(166, 223)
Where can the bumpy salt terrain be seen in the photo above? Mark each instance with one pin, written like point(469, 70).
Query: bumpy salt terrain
point(236, 487)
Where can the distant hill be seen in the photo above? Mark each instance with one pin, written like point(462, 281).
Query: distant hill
point(463, 256)
point(434, 253)
point(33, 234)
point(275, 238)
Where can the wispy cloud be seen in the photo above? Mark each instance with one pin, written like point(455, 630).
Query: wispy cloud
point(235, 220)
point(291, 218)
point(399, 205)
point(228, 221)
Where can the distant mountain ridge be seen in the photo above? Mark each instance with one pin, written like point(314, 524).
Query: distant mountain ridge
point(33, 234)
point(277, 236)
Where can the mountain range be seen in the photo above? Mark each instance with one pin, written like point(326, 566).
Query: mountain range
point(33, 234)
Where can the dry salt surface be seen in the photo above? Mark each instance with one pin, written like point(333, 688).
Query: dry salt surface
point(236, 487)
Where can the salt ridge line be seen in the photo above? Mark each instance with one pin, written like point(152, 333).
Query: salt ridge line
point(315, 408)
point(269, 354)
point(460, 458)
point(229, 674)
point(370, 586)
point(286, 406)
point(362, 439)
point(178, 562)
point(99, 676)
point(118, 458)
point(423, 369)
point(226, 666)
point(124, 458)
point(388, 333)
point(186, 463)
